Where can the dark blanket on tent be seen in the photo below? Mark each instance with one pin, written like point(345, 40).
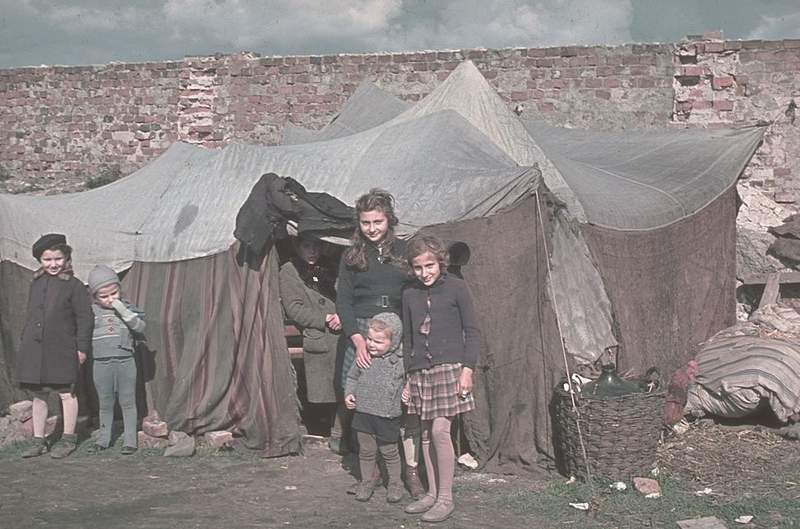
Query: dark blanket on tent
point(275, 200)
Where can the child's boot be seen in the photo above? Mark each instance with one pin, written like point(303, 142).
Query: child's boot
point(394, 491)
point(365, 490)
point(63, 448)
point(413, 482)
point(39, 447)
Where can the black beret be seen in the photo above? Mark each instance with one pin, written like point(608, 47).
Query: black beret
point(46, 242)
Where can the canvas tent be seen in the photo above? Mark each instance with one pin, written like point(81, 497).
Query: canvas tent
point(577, 238)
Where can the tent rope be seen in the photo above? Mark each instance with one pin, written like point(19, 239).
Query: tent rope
point(564, 351)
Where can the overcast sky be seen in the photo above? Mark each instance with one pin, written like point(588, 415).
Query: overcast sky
point(50, 32)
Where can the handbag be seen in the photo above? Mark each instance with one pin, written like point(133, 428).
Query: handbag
point(145, 360)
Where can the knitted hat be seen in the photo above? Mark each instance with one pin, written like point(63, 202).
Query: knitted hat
point(395, 324)
point(101, 276)
point(46, 242)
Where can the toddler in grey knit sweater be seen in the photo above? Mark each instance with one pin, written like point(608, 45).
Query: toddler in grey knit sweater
point(375, 394)
point(117, 322)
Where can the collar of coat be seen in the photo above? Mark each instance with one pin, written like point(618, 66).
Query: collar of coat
point(63, 275)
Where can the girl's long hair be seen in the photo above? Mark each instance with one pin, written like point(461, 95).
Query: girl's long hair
point(383, 201)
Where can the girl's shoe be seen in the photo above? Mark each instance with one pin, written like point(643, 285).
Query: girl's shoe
point(127, 450)
point(423, 504)
point(65, 446)
point(95, 448)
point(337, 446)
point(39, 447)
point(440, 511)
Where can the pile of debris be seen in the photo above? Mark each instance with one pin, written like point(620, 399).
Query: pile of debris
point(17, 425)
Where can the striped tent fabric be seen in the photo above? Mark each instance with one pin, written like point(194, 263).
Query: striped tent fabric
point(220, 350)
point(737, 372)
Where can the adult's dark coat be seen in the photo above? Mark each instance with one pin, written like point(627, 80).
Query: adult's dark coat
point(59, 323)
point(308, 308)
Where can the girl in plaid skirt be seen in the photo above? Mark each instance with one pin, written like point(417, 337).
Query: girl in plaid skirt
point(441, 342)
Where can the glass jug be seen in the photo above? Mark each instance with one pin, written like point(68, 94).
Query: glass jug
point(608, 384)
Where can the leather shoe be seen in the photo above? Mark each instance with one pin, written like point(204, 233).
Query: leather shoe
point(440, 511)
point(421, 505)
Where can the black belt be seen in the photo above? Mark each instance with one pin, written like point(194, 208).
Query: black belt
point(385, 302)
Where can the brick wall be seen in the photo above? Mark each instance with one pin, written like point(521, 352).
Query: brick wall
point(60, 126)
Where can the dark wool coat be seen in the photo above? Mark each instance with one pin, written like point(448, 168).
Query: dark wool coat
point(308, 308)
point(59, 323)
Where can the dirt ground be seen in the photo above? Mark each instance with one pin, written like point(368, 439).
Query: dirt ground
point(305, 491)
point(308, 491)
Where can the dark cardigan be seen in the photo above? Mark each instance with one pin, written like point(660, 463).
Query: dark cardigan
point(454, 337)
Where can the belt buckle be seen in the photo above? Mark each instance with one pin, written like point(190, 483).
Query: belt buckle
point(384, 301)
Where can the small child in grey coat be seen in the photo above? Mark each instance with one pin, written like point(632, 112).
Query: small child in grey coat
point(375, 394)
point(116, 323)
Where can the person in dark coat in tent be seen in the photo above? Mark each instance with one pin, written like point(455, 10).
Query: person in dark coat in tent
point(55, 340)
point(308, 295)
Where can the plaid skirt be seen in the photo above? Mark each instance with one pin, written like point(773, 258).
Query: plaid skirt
point(434, 392)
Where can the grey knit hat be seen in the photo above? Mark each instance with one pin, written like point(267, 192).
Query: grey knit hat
point(101, 276)
point(396, 324)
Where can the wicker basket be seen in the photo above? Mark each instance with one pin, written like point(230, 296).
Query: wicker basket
point(620, 434)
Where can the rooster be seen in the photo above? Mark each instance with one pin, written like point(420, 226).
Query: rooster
point(678, 394)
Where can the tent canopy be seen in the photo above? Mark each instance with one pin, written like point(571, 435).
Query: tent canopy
point(579, 240)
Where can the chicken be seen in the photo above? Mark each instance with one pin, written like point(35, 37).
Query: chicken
point(678, 394)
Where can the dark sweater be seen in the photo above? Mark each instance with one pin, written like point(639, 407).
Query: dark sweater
point(454, 337)
point(359, 292)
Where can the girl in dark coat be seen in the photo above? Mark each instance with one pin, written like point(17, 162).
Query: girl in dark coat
point(56, 337)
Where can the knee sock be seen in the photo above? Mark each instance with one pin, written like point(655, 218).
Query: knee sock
point(391, 456)
point(70, 404)
point(410, 450)
point(429, 454)
point(445, 457)
point(367, 454)
point(411, 440)
point(39, 414)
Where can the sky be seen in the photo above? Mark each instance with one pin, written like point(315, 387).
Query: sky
point(84, 32)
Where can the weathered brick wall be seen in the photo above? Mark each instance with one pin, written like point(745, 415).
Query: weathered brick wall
point(738, 83)
point(60, 126)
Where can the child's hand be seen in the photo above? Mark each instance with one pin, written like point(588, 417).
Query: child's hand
point(81, 357)
point(124, 312)
point(363, 360)
point(465, 382)
point(350, 402)
point(332, 321)
point(405, 396)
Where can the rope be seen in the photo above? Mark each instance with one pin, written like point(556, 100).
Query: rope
point(564, 352)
